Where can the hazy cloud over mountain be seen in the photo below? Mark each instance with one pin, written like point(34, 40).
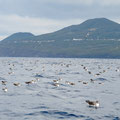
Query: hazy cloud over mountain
point(41, 16)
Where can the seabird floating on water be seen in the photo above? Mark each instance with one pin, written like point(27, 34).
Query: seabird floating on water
point(30, 82)
point(16, 84)
point(4, 82)
point(56, 84)
point(5, 89)
point(93, 103)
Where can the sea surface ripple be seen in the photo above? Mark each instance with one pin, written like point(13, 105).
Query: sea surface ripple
point(57, 88)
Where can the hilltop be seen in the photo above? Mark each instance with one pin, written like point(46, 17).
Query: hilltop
point(99, 37)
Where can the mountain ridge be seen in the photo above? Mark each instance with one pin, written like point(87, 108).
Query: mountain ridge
point(97, 37)
point(19, 36)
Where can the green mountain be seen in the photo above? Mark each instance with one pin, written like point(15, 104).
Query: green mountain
point(18, 37)
point(99, 28)
point(94, 38)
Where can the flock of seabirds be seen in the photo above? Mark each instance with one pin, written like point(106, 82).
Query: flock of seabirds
point(56, 82)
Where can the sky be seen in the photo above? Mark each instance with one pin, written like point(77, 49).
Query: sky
point(44, 16)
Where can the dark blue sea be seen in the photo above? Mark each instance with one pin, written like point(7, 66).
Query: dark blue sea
point(52, 96)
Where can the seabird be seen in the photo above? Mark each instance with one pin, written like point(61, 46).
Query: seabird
point(97, 74)
point(93, 103)
point(80, 81)
point(60, 79)
point(104, 71)
point(5, 89)
point(100, 83)
point(117, 70)
point(56, 81)
point(56, 84)
point(89, 72)
point(91, 80)
point(85, 82)
point(30, 82)
point(4, 82)
point(72, 83)
point(69, 83)
point(16, 84)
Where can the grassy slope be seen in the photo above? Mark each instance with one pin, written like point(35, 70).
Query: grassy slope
point(86, 48)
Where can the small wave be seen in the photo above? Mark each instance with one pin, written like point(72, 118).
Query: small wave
point(61, 73)
point(112, 117)
point(116, 103)
point(75, 73)
point(101, 79)
point(58, 114)
point(38, 75)
point(41, 107)
point(116, 118)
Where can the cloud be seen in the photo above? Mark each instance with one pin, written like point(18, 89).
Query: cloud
point(43, 16)
point(84, 2)
point(110, 2)
point(61, 9)
point(90, 2)
point(24, 3)
point(14, 23)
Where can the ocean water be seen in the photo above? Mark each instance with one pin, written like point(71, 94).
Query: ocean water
point(42, 100)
